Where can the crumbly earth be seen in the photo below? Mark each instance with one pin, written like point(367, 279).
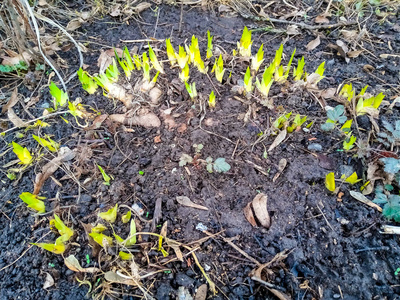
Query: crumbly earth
point(336, 249)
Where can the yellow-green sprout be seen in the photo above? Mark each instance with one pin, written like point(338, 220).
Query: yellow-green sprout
point(266, 82)
point(193, 49)
point(182, 57)
point(170, 52)
point(199, 63)
point(320, 70)
point(154, 61)
point(104, 82)
point(298, 72)
point(278, 57)
point(138, 61)
point(88, 83)
point(126, 62)
point(219, 68)
point(348, 143)
point(60, 98)
point(289, 65)
point(112, 72)
point(209, 45)
point(111, 215)
point(146, 67)
point(184, 75)
point(49, 143)
point(244, 46)
point(369, 105)
point(347, 92)
point(106, 177)
point(191, 89)
point(22, 153)
point(330, 182)
point(34, 201)
point(248, 81)
point(211, 100)
point(257, 59)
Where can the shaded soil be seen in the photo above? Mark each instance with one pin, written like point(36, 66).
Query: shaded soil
point(336, 250)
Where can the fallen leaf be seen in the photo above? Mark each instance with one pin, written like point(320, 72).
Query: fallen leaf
point(349, 35)
point(313, 44)
point(368, 68)
point(260, 210)
point(201, 293)
point(13, 100)
point(17, 122)
point(141, 7)
point(106, 58)
point(73, 264)
point(279, 139)
point(74, 24)
point(185, 201)
point(248, 213)
point(115, 11)
point(182, 128)
point(65, 154)
point(321, 20)
point(292, 30)
point(354, 54)
point(119, 278)
point(281, 166)
point(360, 197)
point(97, 122)
point(48, 282)
point(328, 93)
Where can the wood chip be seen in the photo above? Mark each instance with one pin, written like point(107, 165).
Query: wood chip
point(185, 201)
point(313, 44)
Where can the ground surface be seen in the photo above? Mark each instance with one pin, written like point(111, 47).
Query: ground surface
point(331, 242)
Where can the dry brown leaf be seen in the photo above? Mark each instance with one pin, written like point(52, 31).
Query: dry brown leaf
point(149, 120)
point(106, 58)
point(65, 154)
point(13, 100)
point(15, 119)
point(281, 167)
point(201, 293)
point(157, 139)
point(279, 139)
point(142, 7)
point(260, 210)
point(349, 35)
point(73, 264)
point(185, 201)
point(119, 278)
point(74, 24)
point(248, 213)
point(97, 122)
point(48, 282)
point(313, 44)
point(292, 30)
point(328, 93)
point(354, 54)
point(321, 20)
point(360, 197)
point(175, 246)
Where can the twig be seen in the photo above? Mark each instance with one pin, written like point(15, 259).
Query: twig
point(327, 222)
point(142, 41)
point(180, 19)
point(241, 251)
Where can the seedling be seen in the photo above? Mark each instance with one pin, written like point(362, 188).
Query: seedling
point(88, 83)
point(219, 68)
point(65, 232)
point(126, 62)
point(209, 45)
point(297, 122)
point(320, 71)
point(99, 228)
point(248, 82)
point(111, 215)
point(49, 143)
point(146, 67)
point(182, 58)
point(281, 121)
point(125, 256)
point(193, 49)
point(126, 217)
point(370, 105)
point(199, 63)
point(54, 248)
point(391, 138)
point(154, 61)
point(347, 92)
point(219, 165)
point(211, 100)
point(289, 64)
point(138, 61)
point(185, 159)
point(141, 173)
point(278, 57)
point(60, 97)
point(34, 201)
point(104, 82)
point(266, 82)
point(22, 153)
point(257, 59)
point(348, 143)
point(184, 75)
point(102, 239)
point(334, 116)
point(298, 72)
point(244, 46)
point(352, 179)
point(112, 72)
point(131, 240)
point(330, 182)
point(106, 177)
point(198, 148)
point(191, 89)
point(170, 52)
point(346, 128)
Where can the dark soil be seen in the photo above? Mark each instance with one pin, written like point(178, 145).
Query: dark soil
point(336, 249)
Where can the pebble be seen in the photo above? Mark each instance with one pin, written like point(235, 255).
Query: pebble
point(183, 280)
point(315, 147)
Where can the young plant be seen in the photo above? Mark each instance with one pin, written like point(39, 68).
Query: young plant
point(49, 143)
point(146, 67)
point(330, 182)
point(347, 92)
point(184, 75)
point(391, 208)
point(266, 82)
point(248, 82)
point(369, 106)
point(88, 83)
point(125, 218)
point(154, 61)
point(191, 89)
point(54, 248)
point(298, 72)
point(297, 122)
point(257, 60)
point(211, 100)
point(65, 232)
point(77, 111)
point(244, 46)
point(278, 57)
point(126, 62)
point(348, 143)
point(60, 98)
point(281, 121)
point(111, 215)
point(193, 49)
point(346, 128)
point(209, 45)
point(334, 116)
point(199, 63)
point(131, 240)
point(22, 153)
point(34, 201)
point(352, 179)
point(219, 68)
point(101, 239)
point(393, 136)
point(182, 58)
point(219, 165)
point(106, 177)
point(289, 64)
point(112, 72)
point(170, 52)
point(138, 61)
point(104, 82)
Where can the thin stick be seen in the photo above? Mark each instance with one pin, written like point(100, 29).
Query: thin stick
point(327, 222)
point(142, 41)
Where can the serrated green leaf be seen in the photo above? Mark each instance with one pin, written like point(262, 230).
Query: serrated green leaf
point(221, 166)
point(392, 165)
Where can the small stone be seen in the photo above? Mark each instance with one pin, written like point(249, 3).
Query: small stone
point(144, 161)
point(183, 280)
point(346, 170)
point(315, 147)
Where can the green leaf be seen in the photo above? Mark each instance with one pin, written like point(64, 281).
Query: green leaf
point(111, 215)
point(60, 97)
point(34, 202)
point(153, 58)
point(220, 165)
point(132, 240)
point(298, 72)
point(55, 248)
point(330, 182)
point(257, 59)
point(244, 46)
point(106, 178)
point(99, 228)
point(126, 217)
point(101, 239)
point(209, 45)
point(22, 153)
point(352, 179)
point(248, 81)
point(347, 126)
point(348, 143)
point(65, 232)
point(88, 83)
point(49, 143)
point(125, 256)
